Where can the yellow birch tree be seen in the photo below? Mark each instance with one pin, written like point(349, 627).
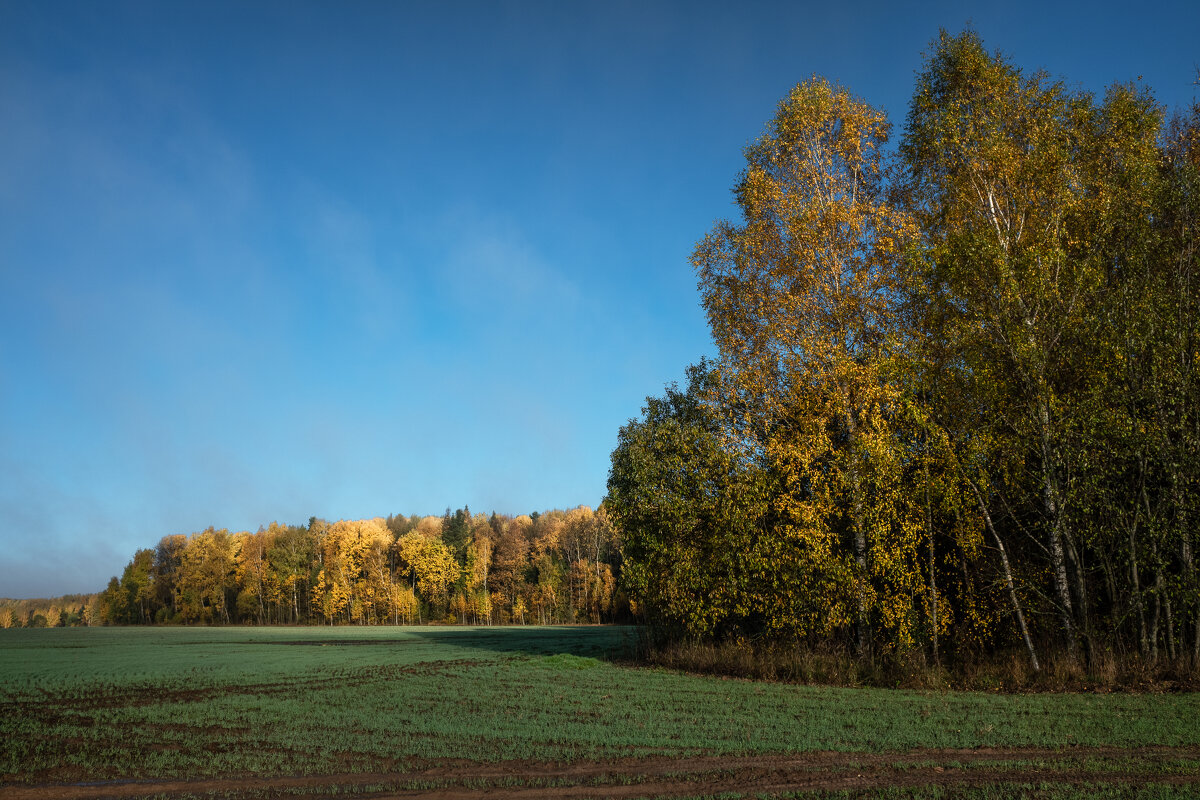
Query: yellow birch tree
point(799, 299)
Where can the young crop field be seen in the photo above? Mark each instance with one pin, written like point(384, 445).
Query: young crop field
point(532, 713)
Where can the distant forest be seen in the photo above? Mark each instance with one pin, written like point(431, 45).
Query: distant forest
point(545, 568)
point(55, 612)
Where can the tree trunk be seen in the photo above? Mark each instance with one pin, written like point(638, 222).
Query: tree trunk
point(1189, 570)
point(1082, 612)
point(1170, 630)
point(1196, 642)
point(1008, 580)
point(1055, 517)
point(262, 610)
point(1139, 605)
point(1158, 582)
point(861, 635)
point(933, 597)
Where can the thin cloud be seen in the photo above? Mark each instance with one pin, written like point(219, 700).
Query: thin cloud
point(490, 262)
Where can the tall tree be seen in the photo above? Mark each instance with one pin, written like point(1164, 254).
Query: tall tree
point(431, 566)
point(1178, 405)
point(1018, 185)
point(207, 576)
point(291, 557)
point(167, 559)
point(800, 301)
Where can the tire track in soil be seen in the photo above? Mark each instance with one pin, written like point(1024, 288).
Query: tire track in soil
point(662, 776)
point(51, 706)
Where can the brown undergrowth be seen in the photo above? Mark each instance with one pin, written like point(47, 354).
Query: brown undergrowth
point(1102, 671)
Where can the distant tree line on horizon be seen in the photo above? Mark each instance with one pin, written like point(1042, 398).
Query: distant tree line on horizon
point(956, 408)
point(543, 568)
point(56, 612)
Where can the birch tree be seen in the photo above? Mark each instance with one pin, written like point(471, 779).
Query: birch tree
point(799, 298)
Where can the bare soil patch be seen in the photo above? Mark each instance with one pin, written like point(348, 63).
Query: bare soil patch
point(663, 776)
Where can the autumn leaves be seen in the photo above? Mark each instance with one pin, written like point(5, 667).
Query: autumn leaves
point(558, 566)
point(919, 425)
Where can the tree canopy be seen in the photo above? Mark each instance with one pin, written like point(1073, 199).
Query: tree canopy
point(962, 374)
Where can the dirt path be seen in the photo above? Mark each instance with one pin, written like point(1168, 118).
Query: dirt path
point(660, 776)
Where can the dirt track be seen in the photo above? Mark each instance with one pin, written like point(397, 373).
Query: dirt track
point(650, 777)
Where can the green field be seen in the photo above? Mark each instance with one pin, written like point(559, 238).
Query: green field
point(257, 712)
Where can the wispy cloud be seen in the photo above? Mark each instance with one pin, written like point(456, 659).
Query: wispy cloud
point(488, 261)
point(363, 281)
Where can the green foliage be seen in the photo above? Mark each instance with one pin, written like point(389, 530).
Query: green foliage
point(693, 516)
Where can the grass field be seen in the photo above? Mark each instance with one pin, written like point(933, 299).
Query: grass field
point(532, 712)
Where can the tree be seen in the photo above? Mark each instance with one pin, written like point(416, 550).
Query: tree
point(509, 562)
point(1034, 204)
point(800, 299)
point(291, 557)
point(207, 572)
point(253, 573)
point(456, 533)
point(354, 578)
point(431, 566)
point(1177, 403)
point(478, 567)
point(112, 606)
point(167, 559)
point(129, 599)
point(693, 519)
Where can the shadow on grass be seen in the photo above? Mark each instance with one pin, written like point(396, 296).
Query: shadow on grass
point(605, 642)
point(616, 643)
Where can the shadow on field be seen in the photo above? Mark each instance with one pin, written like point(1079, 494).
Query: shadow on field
point(605, 642)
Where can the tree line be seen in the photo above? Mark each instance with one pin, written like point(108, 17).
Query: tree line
point(543, 568)
point(56, 612)
point(956, 408)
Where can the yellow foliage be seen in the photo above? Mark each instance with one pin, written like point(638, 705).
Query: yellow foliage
point(798, 298)
point(430, 563)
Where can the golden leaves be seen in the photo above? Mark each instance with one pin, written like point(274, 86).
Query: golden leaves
point(800, 300)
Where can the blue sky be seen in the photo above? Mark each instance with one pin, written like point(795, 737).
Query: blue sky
point(264, 261)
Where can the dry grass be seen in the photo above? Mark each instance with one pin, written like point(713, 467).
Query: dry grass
point(1009, 671)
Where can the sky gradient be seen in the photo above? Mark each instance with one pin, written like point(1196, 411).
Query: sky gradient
point(267, 261)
